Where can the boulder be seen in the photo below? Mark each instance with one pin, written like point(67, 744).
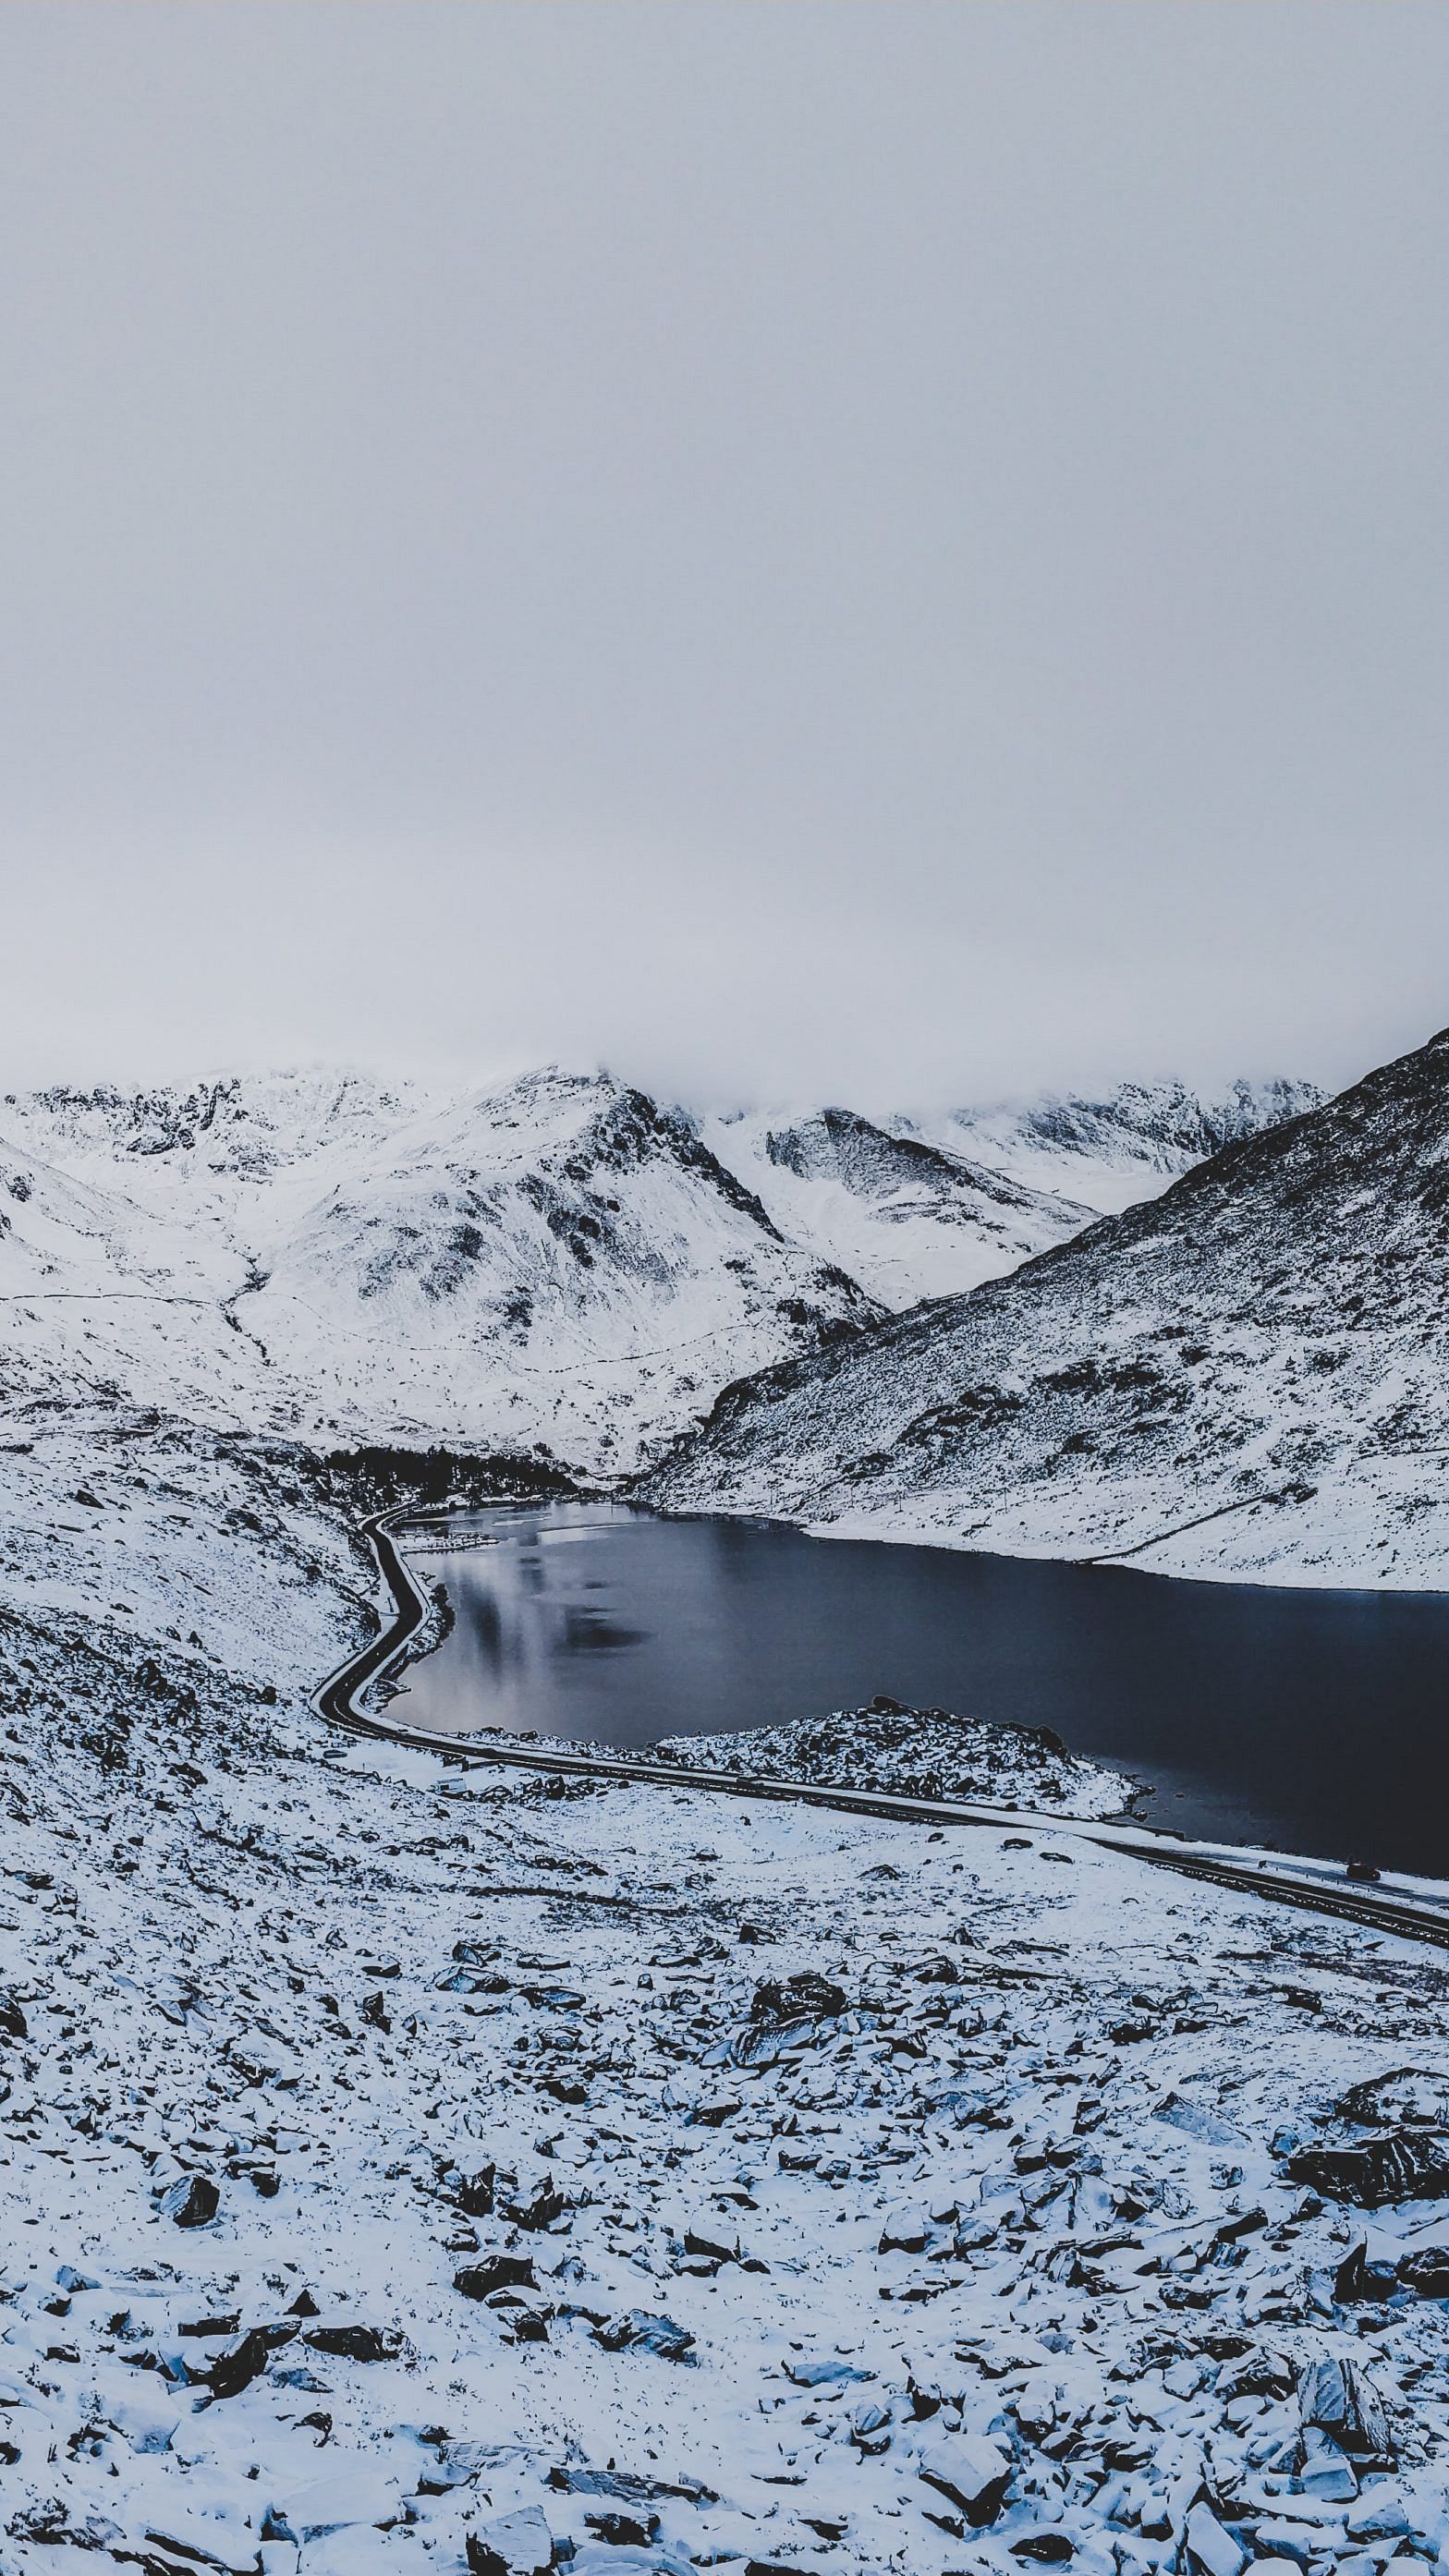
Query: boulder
point(1357, 2279)
point(624, 2530)
point(635, 2329)
point(1335, 2399)
point(1196, 2120)
point(806, 1997)
point(1378, 2515)
point(495, 2272)
point(517, 2544)
point(906, 2231)
point(191, 2201)
point(235, 2369)
point(1324, 2470)
point(1401, 2164)
point(1216, 2551)
point(354, 2343)
point(970, 2471)
point(545, 2208)
point(1426, 2273)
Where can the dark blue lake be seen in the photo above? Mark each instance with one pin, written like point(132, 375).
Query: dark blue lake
point(1318, 1721)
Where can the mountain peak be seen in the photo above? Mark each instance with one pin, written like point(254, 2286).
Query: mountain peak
point(1244, 1375)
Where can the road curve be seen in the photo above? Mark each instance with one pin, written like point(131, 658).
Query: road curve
point(336, 1701)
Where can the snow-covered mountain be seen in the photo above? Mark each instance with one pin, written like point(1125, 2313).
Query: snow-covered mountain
point(558, 1262)
point(1249, 1375)
point(1126, 1146)
point(907, 1217)
point(561, 1261)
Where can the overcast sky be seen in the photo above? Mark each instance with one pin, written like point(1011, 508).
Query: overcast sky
point(879, 550)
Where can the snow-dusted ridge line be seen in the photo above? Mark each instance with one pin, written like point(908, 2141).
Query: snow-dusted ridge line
point(1222, 1864)
point(1270, 1326)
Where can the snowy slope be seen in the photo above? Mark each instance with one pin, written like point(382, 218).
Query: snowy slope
point(1124, 1147)
point(561, 1261)
point(916, 1205)
point(906, 1217)
point(97, 1294)
point(558, 1262)
point(1261, 1354)
point(411, 2167)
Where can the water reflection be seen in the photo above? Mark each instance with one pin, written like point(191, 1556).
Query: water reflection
point(1311, 1719)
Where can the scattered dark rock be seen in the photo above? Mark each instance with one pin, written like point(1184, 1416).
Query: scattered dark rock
point(970, 2472)
point(472, 2193)
point(1357, 2280)
point(518, 2544)
point(542, 2211)
point(192, 2201)
point(1334, 2396)
point(712, 2115)
point(1403, 2164)
point(354, 2343)
point(909, 2232)
point(1254, 2373)
point(708, 2250)
point(233, 2371)
point(1426, 2273)
point(495, 2272)
point(623, 2530)
point(627, 2488)
point(806, 1997)
point(637, 2330)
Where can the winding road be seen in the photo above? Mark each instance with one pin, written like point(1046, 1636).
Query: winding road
point(1313, 1887)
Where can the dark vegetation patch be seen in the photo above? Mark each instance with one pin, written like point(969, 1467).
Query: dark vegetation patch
point(378, 1478)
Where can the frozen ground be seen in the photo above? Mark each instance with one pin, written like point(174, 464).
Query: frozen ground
point(405, 2167)
point(918, 1753)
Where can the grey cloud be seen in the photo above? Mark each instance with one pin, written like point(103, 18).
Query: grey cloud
point(849, 545)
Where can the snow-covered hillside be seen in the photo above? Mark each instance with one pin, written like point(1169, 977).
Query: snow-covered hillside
point(906, 1217)
point(561, 1262)
point(1249, 1376)
point(1124, 1147)
point(408, 2166)
point(405, 2164)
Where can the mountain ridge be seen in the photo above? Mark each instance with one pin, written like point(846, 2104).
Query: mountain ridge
point(561, 1264)
point(1265, 1324)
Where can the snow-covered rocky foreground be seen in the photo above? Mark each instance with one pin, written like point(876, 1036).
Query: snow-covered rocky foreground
point(917, 1753)
point(407, 2167)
